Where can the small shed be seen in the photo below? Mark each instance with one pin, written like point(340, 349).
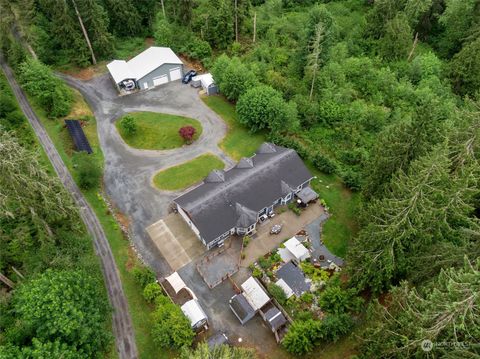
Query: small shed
point(194, 312)
point(292, 279)
point(250, 301)
point(295, 250)
point(275, 319)
point(217, 339)
point(208, 84)
point(241, 308)
point(254, 293)
point(176, 282)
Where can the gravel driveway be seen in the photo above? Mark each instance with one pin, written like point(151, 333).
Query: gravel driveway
point(128, 171)
point(128, 175)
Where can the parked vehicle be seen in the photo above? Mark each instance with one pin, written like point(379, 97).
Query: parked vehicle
point(129, 85)
point(276, 229)
point(188, 76)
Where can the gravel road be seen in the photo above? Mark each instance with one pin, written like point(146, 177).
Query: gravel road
point(122, 323)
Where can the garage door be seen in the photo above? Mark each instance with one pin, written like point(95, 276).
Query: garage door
point(175, 74)
point(160, 80)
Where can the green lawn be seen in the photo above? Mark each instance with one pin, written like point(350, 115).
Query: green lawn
point(157, 131)
point(238, 142)
point(343, 206)
point(188, 173)
point(124, 256)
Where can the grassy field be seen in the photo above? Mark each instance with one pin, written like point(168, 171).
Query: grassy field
point(238, 142)
point(124, 255)
point(339, 229)
point(157, 131)
point(188, 173)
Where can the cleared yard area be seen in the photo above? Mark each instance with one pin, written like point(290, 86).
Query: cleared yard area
point(238, 142)
point(157, 131)
point(188, 173)
point(343, 205)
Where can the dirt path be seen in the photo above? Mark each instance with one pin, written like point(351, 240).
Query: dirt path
point(122, 323)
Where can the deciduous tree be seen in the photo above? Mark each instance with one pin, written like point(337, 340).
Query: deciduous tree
point(262, 107)
point(67, 306)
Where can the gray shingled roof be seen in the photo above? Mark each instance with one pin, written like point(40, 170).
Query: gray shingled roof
point(307, 195)
point(241, 307)
point(275, 318)
point(294, 277)
point(212, 206)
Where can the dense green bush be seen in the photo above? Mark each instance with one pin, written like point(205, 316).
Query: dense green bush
point(334, 326)
point(143, 275)
point(262, 107)
point(301, 336)
point(68, 306)
point(171, 329)
point(232, 77)
point(277, 292)
point(152, 291)
point(324, 163)
point(129, 125)
point(88, 172)
point(337, 300)
point(50, 92)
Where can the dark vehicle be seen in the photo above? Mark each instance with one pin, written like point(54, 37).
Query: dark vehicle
point(188, 76)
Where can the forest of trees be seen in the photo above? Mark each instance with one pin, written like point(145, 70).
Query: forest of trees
point(59, 308)
point(384, 94)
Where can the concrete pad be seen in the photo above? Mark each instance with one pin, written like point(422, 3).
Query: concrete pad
point(184, 235)
point(218, 264)
point(168, 245)
point(264, 242)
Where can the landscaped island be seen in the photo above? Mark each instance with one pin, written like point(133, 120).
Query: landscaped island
point(155, 131)
point(188, 173)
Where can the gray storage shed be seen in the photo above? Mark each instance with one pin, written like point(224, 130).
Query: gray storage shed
point(208, 84)
point(153, 67)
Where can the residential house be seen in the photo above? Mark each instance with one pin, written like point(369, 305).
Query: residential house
point(233, 201)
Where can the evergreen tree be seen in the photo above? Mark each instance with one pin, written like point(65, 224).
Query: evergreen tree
point(446, 311)
point(465, 69)
point(95, 19)
point(124, 17)
point(426, 205)
point(147, 9)
point(397, 40)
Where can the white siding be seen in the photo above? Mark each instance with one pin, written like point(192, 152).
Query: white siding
point(189, 222)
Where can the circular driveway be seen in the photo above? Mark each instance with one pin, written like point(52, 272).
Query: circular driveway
point(128, 171)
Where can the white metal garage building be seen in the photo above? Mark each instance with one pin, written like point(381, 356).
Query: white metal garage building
point(153, 67)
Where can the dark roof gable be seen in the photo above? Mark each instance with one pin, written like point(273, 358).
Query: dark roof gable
point(254, 183)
